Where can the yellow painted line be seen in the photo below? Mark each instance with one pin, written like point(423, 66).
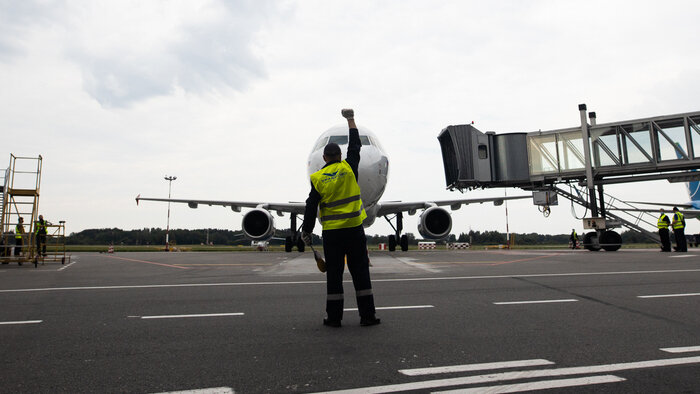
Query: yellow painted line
point(146, 262)
point(212, 265)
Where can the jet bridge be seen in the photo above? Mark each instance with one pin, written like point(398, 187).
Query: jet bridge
point(592, 155)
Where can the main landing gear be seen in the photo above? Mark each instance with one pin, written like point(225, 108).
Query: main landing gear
point(295, 238)
point(402, 239)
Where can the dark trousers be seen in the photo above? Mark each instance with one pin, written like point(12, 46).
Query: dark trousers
point(681, 245)
point(337, 244)
point(18, 246)
point(665, 240)
point(40, 244)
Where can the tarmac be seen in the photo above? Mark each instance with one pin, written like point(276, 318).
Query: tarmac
point(452, 321)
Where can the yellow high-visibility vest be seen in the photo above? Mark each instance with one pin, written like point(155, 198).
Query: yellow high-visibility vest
point(40, 227)
point(341, 205)
point(679, 221)
point(19, 230)
point(663, 223)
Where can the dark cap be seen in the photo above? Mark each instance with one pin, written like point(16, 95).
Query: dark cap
point(331, 150)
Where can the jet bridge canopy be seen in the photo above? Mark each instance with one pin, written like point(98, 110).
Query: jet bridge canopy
point(668, 144)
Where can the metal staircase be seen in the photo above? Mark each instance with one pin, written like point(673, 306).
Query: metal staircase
point(20, 198)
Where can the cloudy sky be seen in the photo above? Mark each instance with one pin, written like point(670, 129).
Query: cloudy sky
point(229, 96)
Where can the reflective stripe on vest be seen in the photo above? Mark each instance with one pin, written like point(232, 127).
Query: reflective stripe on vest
point(19, 230)
point(679, 221)
point(662, 223)
point(341, 204)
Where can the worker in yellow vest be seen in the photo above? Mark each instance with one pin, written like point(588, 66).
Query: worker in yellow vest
point(40, 233)
point(335, 193)
point(662, 224)
point(19, 236)
point(678, 225)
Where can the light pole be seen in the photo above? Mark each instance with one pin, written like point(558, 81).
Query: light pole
point(170, 180)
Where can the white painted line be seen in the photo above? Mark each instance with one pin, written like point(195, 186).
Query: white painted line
point(323, 282)
point(541, 385)
point(382, 308)
point(517, 375)
point(669, 295)
point(534, 302)
point(195, 315)
point(66, 266)
point(681, 349)
point(682, 256)
point(475, 367)
point(7, 323)
point(214, 390)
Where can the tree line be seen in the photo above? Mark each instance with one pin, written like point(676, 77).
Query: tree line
point(156, 236)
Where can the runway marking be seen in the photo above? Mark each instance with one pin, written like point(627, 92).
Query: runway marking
point(526, 374)
point(541, 385)
point(213, 390)
point(534, 302)
point(66, 266)
point(487, 262)
point(226, 264)
point(7, 323)
point(669, 295)
point(475, 367)
point(319, 282)
point(529, 259)
point(682, 256)
point(147, 262)
point(193, 315)
point(681, 349)
point(383, 308)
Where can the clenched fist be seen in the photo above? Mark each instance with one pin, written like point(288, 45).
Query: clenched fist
point(347, 113)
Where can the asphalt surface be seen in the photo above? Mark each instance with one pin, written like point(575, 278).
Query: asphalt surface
point(501, 321)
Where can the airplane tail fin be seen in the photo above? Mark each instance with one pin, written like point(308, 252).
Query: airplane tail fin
point(694, 190)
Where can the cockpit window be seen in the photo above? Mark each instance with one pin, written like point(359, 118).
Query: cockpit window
point(343, 139)
point(321, 143)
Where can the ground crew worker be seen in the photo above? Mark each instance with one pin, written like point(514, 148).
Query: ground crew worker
point(573, 238)
point(19, 236)
point(662, 225)
point(678, 225)
point(334, 189)
point(40, 233)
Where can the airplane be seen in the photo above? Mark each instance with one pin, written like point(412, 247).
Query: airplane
point(690, 209)
point(435, 222)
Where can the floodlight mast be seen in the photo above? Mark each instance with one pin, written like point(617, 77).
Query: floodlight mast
point(170, 180)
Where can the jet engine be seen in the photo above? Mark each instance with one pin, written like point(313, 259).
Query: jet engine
point(435, 223)
point(258, 224)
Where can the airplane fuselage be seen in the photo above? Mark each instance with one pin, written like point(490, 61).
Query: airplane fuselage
point(373, 170)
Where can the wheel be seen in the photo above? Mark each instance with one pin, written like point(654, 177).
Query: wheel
point(288, 245)
point(300, 245)
point(404, 242)
point(392, 243)
point(590, 241)
point(611, 241)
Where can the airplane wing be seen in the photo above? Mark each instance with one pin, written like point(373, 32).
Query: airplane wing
point(290, 207)
point(392, 207)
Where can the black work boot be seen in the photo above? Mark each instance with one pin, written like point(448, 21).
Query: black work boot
point(331, 323)
point(370, 321)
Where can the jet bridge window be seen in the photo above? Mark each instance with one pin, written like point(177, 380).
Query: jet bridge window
point(483, 151)
point(343, 139)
